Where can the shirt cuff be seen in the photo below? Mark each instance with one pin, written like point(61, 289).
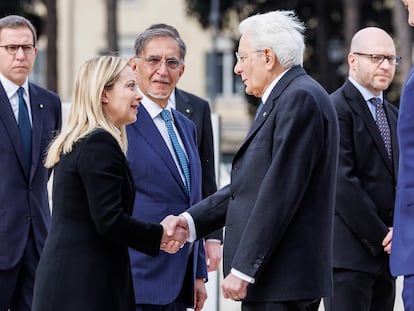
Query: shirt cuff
point(242, 276)
point(213, 240)
point(191, 226)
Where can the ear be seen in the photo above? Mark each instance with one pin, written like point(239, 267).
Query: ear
point(132, 63)
point(182, 68)
point(270, 57)
point(104, 97)
point(351, 60)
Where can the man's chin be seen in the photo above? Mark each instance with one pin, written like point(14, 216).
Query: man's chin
point(159, 95)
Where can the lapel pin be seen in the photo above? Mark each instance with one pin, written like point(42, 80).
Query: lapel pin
point(187, 111)
point(264, 114)
point(41, 106)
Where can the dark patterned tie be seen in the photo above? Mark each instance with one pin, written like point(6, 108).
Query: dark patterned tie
point(382, 123)
point(25, 129)
point(179, 152)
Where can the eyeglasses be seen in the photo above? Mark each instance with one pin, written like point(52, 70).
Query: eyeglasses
point(241, 56)
point(378, 59)
point(155, 62)
point(12, 48)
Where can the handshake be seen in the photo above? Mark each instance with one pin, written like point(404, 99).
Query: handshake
point(175, 233)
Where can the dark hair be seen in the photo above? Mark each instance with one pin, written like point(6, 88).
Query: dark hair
point(165, 26)
point(17, 21)
point(156, 32)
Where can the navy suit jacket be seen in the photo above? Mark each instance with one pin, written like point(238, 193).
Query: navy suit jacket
point(402, 255)
point(24, 199)
point(366, 183)
point(198, 111)
point(278, 207)
point(160, 191)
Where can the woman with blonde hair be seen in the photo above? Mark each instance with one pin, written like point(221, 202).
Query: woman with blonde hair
point(85, 262)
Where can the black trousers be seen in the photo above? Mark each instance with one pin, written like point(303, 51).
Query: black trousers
point(362, 291)
point(303, 305)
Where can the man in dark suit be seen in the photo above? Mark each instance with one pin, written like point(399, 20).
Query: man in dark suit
point(167, 282)
point(402, 255)
point(24, 207)
point(278, 208)
point(198, 111)
point(368, 161)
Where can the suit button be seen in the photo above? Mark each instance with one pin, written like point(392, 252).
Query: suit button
point(28, 217)
point(232, 196)
point(256, 266)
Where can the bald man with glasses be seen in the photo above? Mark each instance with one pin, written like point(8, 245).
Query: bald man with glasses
point(366, 181)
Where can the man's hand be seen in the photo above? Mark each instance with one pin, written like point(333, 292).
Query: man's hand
point(213, 254)
point(387, 241)
point(174, 236)
point(200, 294)
point(233, 287)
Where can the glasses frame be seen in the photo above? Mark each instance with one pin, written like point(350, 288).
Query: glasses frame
point(12, 49)
point(239, 55)
point(170, 63)
point(379, 58)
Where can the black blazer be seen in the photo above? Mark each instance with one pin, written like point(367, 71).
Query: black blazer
point(85, 263)
point(198, 111)
point(278, 207)
point(366, 183)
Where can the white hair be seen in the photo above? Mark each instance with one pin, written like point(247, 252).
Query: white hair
point(282, 31)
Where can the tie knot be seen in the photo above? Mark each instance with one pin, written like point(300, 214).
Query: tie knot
point(20, 91)
point(377, 102)
point(166, 115)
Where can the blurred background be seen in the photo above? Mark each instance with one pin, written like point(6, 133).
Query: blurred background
point(71, 31)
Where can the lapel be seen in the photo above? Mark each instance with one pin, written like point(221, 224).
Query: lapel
point(10, 125)
point(269, 105)
point(358, 105)
point(149, 132)
point(183, 104)
point(37, 106)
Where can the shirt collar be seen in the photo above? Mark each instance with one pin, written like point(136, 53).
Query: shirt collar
point(364, 91)
point(152, 107)
point(272, 85)
point(12, 88)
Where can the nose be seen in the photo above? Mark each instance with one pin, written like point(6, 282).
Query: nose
point(237, 68)
point(20, 54)
point(138, 95)
point(163, 69)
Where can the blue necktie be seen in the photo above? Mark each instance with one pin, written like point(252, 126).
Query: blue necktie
point(259, 109)
point(179, 152)
point(382, 123)
point(25, 129)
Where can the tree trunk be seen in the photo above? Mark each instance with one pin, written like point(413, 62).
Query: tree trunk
point(403, 40)
point(51, 52)
point(112, 33)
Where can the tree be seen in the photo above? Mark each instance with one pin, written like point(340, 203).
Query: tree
point(331, 25)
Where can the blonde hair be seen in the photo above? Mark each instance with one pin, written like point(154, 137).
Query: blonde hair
point(86, 114)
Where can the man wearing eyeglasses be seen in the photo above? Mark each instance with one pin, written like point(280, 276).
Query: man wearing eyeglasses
point(164, 161)
point(368, 161)
point(29, 117)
